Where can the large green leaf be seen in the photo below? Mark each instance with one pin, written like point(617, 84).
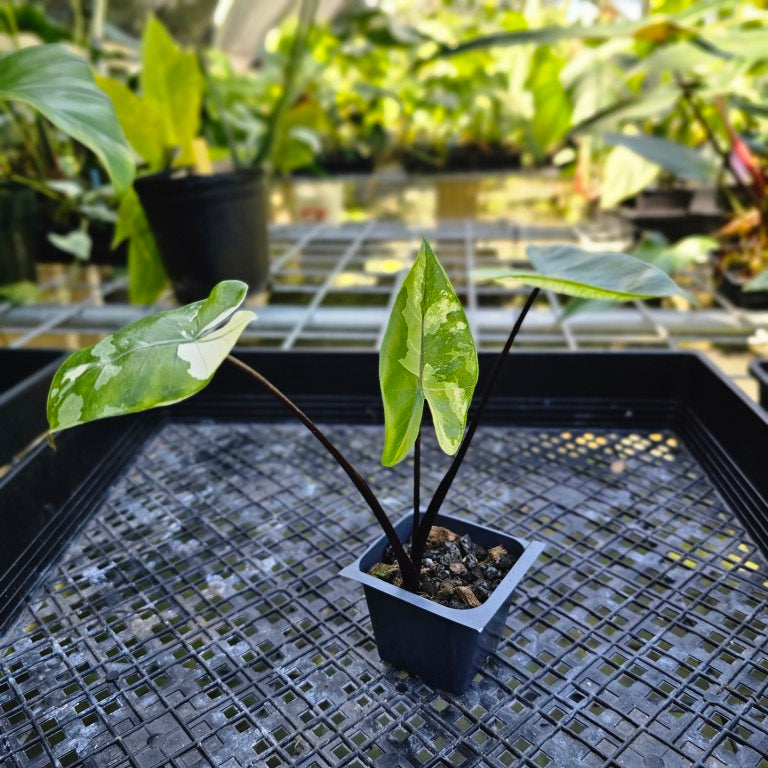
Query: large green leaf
point(574, 272)
point(428, 353)
point(653, 249)
point(145, 268)
point(156, 361)
point(678, 159)
point(60, 86)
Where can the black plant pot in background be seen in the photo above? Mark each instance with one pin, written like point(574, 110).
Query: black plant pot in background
point(208, 229)
point(730, 284)
point(18, 233)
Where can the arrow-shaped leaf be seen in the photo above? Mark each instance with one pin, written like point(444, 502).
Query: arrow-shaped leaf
point(156, 361)
point(574, 272)
point(428, 353)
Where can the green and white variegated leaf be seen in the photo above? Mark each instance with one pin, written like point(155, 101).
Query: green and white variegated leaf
point(428, 353)
point(574, 272)
point(156, 361)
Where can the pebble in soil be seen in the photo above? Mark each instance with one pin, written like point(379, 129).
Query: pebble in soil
point(455, 572)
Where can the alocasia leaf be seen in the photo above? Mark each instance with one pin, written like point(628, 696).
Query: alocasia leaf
point(574, 272)
point(428, 353)
point(155, 361)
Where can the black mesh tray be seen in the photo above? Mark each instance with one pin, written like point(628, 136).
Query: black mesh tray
point(192, 615)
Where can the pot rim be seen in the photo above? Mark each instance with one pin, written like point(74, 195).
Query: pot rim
point(472, 618)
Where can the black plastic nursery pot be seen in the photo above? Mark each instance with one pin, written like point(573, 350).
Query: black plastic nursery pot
point(730, 284)
point(18, 233)
point(443, 646)
point(671, 199)
point(672, 212)
point(209, 228)
point(170, 593)
point(25, 376)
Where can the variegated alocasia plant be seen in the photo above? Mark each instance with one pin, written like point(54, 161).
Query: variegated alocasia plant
point(428, 356)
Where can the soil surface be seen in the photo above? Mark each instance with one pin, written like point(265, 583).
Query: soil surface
point(455, 572)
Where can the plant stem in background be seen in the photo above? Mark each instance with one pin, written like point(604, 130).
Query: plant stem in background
point(409, 573)
point(30, 145)
point(416, 480)
point(213, 89)
point(38, 186)
point(98, 16)
point(9, 12)
point(78, 23)
point(420, 537)
point(307, 11)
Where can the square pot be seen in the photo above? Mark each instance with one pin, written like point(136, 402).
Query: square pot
point(443, 646)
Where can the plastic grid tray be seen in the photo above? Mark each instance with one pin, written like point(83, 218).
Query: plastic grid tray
point(197, 618)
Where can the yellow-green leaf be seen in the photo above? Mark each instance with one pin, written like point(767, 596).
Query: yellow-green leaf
point(146, 274)
point(172, 84)
point(142, 125)
point(625, 173)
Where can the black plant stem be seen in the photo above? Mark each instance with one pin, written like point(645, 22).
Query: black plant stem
point(409, 573)
point(420, 538)
point(416, 481)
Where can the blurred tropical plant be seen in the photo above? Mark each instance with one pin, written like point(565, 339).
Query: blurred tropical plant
point(162, 123)
point(185, 99)
point(58, 132)
point(268, 117)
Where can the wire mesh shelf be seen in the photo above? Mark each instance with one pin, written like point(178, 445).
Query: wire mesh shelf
point(333, 285)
